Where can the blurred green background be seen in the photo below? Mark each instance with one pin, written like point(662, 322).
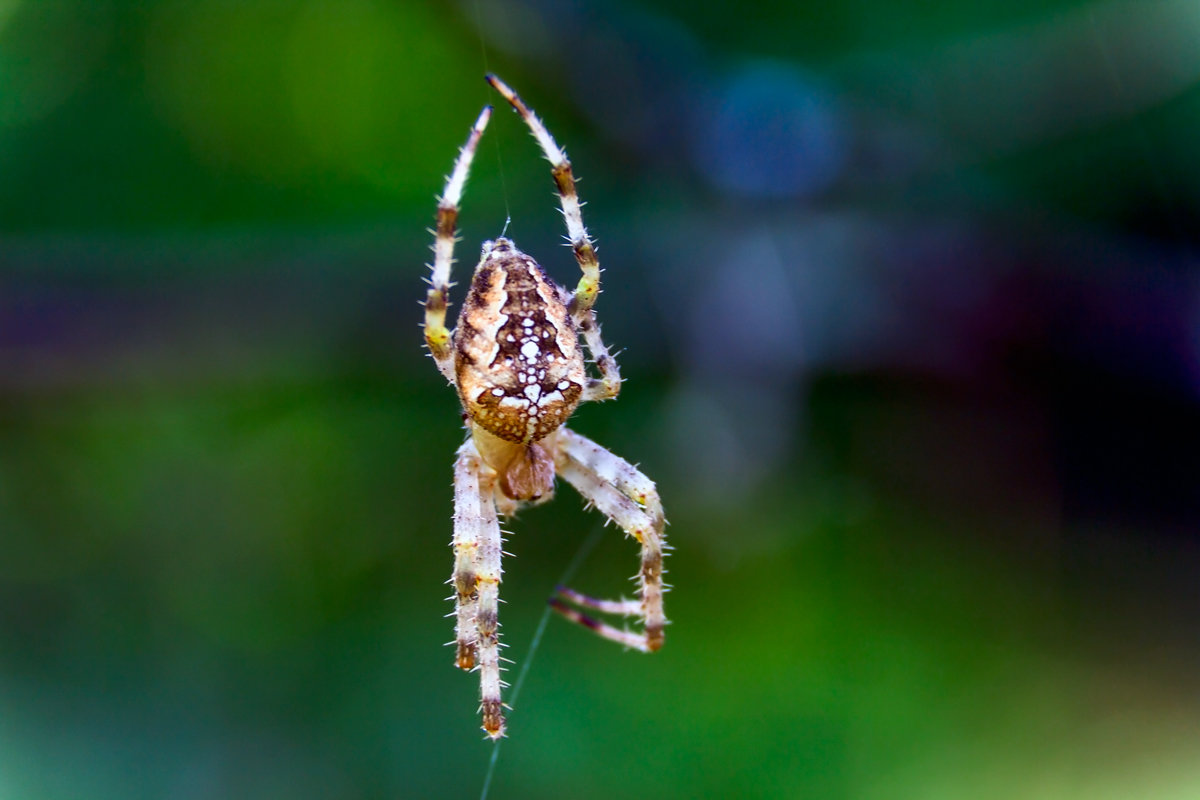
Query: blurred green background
point(910, 309)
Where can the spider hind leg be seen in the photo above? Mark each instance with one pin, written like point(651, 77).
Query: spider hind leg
point(477, 553)
point(627, 497)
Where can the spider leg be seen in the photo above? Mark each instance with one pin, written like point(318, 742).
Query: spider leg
point(629, 498)
point(621, 608)
point(477, 550)
point(608, 385)
point(468, 520)
point(564, 181)
point(437, 335)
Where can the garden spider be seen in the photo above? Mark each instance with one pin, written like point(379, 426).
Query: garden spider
point(515, 359)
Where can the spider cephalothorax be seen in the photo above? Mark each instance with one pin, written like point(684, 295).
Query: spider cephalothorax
point(517, 362)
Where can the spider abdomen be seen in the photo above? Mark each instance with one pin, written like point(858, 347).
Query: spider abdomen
point(517, 359)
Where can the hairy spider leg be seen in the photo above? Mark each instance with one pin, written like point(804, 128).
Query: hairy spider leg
point(626, 496)
point(437, 335)
point(477, 553)
point(564, 182)
point(581, 302)
point(468, 519)
point(608, 385)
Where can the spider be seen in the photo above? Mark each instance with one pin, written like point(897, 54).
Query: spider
point(516, 359)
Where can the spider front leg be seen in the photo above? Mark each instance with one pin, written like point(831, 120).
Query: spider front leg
point(608, 385)
point(579, 302)
point(477, 551)
point(588, 288)
point(626, 496)
point(437, 335)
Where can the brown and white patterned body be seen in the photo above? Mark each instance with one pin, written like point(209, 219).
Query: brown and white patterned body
point(518, 366)
point(516, 358)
